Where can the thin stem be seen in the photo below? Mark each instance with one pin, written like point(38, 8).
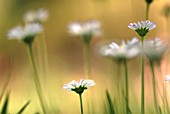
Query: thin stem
point(42, 55)
point(126, 86)
point(120, 88)
point(154, 87)
point(118, 77)
point(37, 80)
point(162, 97)
point(86, 59)
point(118, 84)
point(142, 83)
point(147, 11)
point(165, 96)
point(81, 103)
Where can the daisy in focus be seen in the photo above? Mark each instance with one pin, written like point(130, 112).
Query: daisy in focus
point(85, 30)
point(39, 16)
point(79, 86)
point(142, 27)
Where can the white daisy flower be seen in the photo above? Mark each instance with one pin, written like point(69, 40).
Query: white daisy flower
point(86, 30)
point(25, 32)
point(167, 78)
point(142, 27)
point(154, 49)
point(120, 52)
point(79, 86)
point(40, 16)
point(149, 1)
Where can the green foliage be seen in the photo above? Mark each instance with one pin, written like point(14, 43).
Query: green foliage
point(5, 105)
point(7, 80)
point(110, 103)
point(160, 110)
point(23, 107)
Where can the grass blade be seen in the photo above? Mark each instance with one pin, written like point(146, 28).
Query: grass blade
point(160, 110)
point(129, 110)
point(23, 107)
point(110, 103)
point(5, 105)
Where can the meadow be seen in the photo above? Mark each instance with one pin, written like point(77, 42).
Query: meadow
point(84, 57)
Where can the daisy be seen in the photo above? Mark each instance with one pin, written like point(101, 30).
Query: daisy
point(40, 16)
point(148, 1)
point(154, 49)
point(25, 33)
point(86, 30)
point(120, 52)
point(142, 27)
point(167, 78)
point(79, 86)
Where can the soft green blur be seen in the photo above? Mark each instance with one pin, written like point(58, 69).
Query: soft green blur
point(65, 51)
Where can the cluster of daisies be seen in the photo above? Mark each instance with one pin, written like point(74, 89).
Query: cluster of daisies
point(33, 26)
point(153, 49)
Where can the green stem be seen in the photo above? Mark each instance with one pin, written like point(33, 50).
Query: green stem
point(81, 103)
point(165, 97)
point(43, 56)
point(142, 83)
point(118, 77)
point(147, 11)
point(154, 87)
point(126, 86)
point(118, 83)
point(86, 59)
point(37, 80)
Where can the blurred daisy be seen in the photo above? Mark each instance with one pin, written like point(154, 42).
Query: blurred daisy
point(25, 33)
point(154, 49)
point(40, 16)
point(142, 27)
point(148, 1)
point(79, 86)
point(86, 30)
point(166, 10)
point(120, 52)
point(167, 78)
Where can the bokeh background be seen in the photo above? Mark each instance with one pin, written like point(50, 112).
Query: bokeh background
point(65, 51)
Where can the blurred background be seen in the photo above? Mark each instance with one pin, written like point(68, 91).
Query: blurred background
point(65, 51)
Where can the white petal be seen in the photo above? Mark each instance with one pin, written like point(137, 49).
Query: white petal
point(114, 45)
point(152, 26)
point(75, 28)
point(16, 33)
point(167, 78)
